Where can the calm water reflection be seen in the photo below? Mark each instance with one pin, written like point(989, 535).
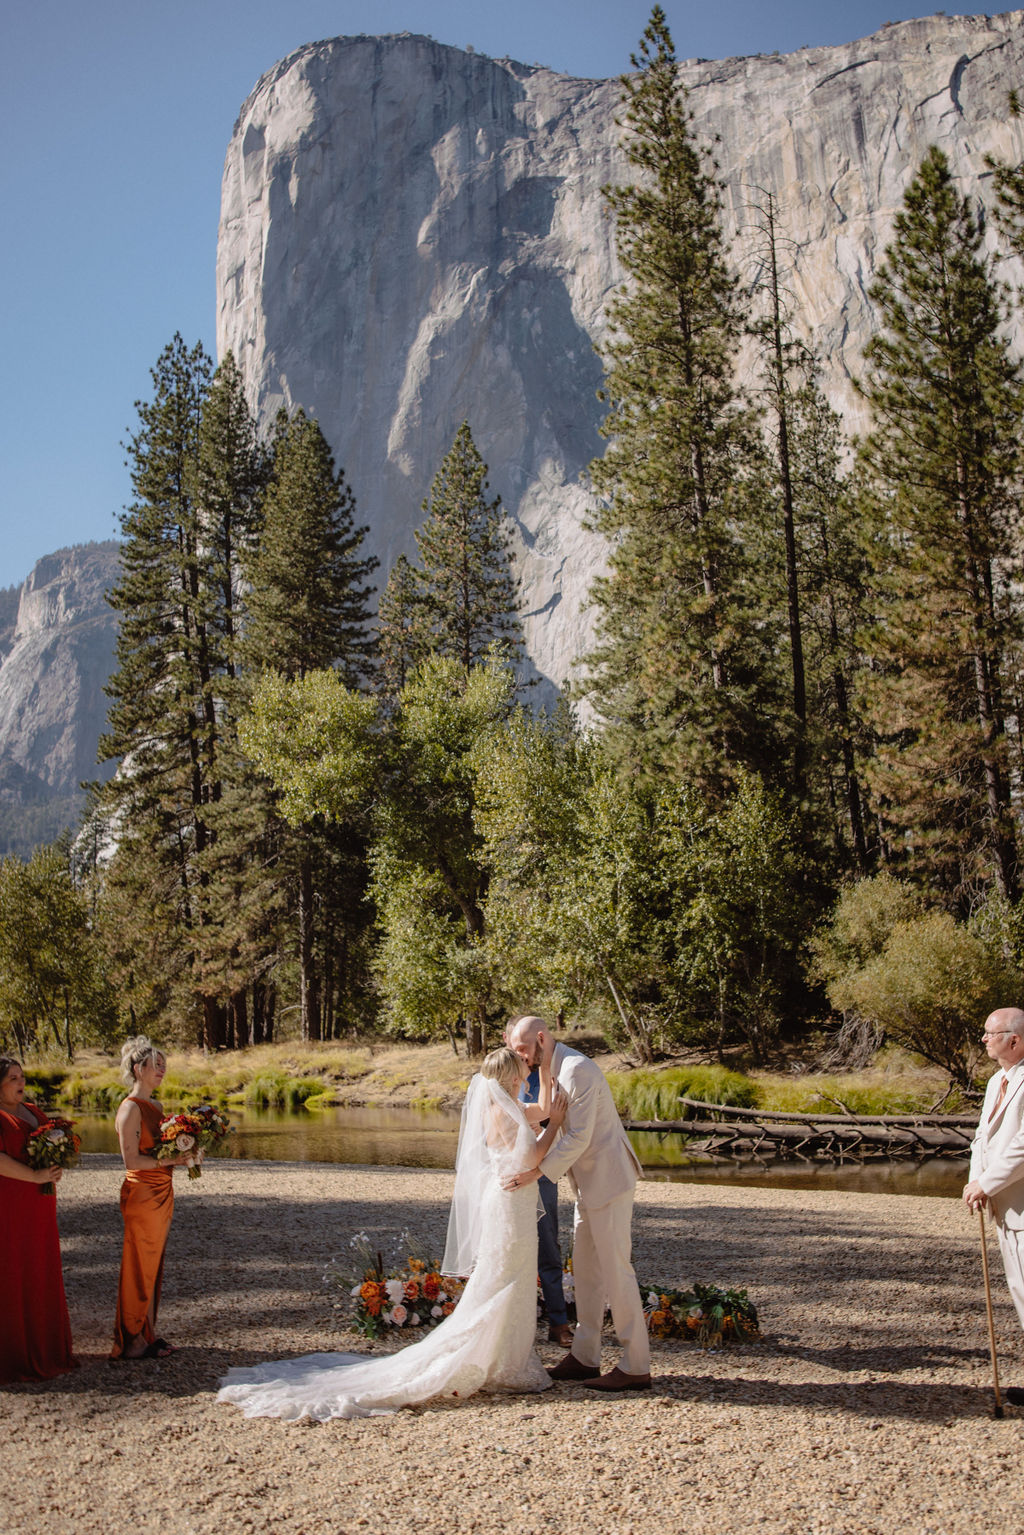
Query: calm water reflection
point(407, 1138)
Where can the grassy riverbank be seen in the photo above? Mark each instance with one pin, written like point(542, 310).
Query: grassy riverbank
point(385, 1074)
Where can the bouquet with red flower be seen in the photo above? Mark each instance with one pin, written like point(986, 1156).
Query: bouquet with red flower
point(54, 1144)
point(190, 1133)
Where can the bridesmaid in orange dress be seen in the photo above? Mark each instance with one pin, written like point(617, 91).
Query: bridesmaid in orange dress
point(35, 1333)
point(147, 1204)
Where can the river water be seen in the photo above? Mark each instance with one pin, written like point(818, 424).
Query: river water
point(382, 1137)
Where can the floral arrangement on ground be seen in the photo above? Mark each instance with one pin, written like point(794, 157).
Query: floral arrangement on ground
point(385, 1298)
point(410, 1291)
point(704, 1312)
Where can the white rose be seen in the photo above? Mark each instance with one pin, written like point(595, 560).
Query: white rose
point(436, 1311)
point(395, 1289)
point(185, 1142)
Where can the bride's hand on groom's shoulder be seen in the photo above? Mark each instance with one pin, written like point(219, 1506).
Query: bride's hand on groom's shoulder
point(559, 1105)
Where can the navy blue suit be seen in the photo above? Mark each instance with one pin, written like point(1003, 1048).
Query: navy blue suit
point(549, 1254)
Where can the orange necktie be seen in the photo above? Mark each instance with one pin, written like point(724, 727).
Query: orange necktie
point(1004, 1084)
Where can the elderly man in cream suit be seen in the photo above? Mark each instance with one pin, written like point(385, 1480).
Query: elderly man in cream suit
point(997, 1152)
point(603, 1168)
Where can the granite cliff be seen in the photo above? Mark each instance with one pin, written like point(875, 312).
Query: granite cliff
point(57, 637)
point(411, 235)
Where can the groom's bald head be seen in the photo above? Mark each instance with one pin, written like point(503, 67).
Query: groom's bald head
point(526, 1034)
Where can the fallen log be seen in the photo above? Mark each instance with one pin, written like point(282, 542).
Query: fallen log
point(954, 1121)
point(809, 1136)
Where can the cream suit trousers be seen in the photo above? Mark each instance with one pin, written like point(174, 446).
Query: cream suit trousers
point(1011, 1246)
point(602, 1271)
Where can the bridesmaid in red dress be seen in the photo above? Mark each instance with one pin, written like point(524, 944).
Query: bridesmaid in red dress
point(147, 1204)
point(35, 1333)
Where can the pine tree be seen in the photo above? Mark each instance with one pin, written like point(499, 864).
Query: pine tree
point(403, 640)
point(308, 610)
point(307, 599)
point(465, 589)
point(240, 937)
point(941, 465)
point(831, 564)
point(229, 481)
point(675, 673)
point(163, 722)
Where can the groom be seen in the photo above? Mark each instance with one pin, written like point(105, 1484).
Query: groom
point(602, 1166)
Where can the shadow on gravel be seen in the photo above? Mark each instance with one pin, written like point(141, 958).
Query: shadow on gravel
point(920, 1402)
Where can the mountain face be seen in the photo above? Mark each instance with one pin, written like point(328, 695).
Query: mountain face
point(412, 235)
point(56, 653)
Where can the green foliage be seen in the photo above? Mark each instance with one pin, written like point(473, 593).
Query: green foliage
point(52, 989)
point(277, 1090)
point(677, 673)
point(739, 911)
point(647, 1094)
point(860, 926)
point(318, 740)
point(460, 601)
point(930, 987)
point(308, 604)
point(941, 473)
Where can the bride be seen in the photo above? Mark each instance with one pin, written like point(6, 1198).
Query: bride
point(492, 1235)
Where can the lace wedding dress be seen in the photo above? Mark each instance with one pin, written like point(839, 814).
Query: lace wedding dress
point(486, 1343)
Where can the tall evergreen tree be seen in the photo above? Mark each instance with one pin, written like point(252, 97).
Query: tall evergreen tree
point(942, 467)
point(307, 593)
point(163, 720)
point(239, 936)
point(830, 559)
point(460, 601)
point(675, 672)
point(308, 610)
point(404, 640)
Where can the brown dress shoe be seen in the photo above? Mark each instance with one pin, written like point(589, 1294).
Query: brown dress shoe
point(560, 1333)
point(618, 1380)
point(570, 1368)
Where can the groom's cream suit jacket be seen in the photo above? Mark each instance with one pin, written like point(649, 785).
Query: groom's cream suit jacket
point(593, 1148)
point(997, 1151)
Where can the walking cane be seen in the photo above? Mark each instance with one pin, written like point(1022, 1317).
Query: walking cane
point(998, 1412)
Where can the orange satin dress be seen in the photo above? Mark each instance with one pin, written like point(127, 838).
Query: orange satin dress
point(147, 1204)
point(35, 1334)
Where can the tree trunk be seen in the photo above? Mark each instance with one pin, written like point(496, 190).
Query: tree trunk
point(310, 1015)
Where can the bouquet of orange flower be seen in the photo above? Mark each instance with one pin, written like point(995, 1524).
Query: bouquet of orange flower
point(397, 1296)
point(190, 1133)
point(704, 1312)
point(54, 1144)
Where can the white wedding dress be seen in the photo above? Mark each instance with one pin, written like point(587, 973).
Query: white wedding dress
point(486, 1343)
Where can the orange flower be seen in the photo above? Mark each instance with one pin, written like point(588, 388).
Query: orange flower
point(411, 1290)
point(431, 1287)
point(448, 1307)
point(370, 1290)
point(374, 1305)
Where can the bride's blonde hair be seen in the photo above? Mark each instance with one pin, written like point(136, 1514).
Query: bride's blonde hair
point(504, 1067)
point(134, 1053)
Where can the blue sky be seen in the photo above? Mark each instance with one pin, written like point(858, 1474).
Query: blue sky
point(118, 113)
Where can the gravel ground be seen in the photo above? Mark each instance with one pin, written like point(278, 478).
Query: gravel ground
point(866, 1408)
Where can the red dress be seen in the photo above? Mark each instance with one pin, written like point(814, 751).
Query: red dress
point(35, 1332)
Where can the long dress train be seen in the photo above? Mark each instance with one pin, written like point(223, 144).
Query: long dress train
point(35, 1333)
point(486, 1343)
point(147, 1205)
